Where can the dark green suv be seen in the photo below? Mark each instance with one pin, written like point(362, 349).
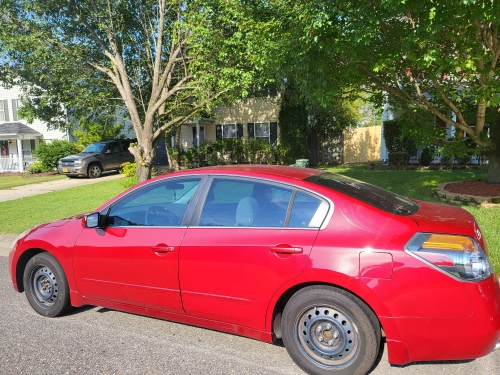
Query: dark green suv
point(97, 158)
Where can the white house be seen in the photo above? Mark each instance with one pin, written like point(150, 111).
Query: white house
point(18, 139)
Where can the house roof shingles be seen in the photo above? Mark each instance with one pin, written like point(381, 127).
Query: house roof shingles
point(16, 128)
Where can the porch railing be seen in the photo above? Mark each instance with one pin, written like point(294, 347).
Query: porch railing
point(28, 160)
point(11, 163)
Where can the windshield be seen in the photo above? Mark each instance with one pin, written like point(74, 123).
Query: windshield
point(94, 147)
point(370, 194)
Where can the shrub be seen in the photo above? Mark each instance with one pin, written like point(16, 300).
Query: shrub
point(426, 157)
point(128, 169)
point(50, 153)
point(460, 149)
point(446, 160)
point(230, 151)
point(36, 168)
point(399, 159)
point(397, 143)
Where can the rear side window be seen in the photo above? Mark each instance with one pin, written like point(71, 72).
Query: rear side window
point(303, 210)
point(245, 203)
point(370, 194)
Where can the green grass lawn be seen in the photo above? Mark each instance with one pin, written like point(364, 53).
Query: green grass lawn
point(23, 213)
point(9, 181)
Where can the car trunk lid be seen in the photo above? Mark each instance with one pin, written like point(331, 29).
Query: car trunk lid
point(440, 218)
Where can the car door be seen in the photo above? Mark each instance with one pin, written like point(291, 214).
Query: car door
point(125, 154)
point(242, 250)
point(133, 258)
point(111, 156)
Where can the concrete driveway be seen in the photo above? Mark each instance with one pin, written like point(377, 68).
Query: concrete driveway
point(46, 187)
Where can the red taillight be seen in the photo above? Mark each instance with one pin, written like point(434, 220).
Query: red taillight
point(459, 256)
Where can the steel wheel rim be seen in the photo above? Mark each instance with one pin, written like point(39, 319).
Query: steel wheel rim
point(43, 286)
point(94, 170)
point(327, 337)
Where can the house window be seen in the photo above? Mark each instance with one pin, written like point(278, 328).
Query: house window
point(15, 107)
point(262, 131)
point(202, 135)
point(28, 147)
point(4, 110)
point(229, 131)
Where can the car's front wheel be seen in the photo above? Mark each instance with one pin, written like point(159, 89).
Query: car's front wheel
point(329, 331)
point(46, 286)
point(95, 170)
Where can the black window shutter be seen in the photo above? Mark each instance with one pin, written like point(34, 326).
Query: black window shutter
point(218, 131)
point(250, 129)
point(273, 132)
point(239, 130)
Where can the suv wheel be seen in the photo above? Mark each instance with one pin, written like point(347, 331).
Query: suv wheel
point(95, 170)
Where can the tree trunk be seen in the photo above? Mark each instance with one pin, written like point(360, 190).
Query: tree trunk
point(172, 161)
point(174, 166)
point(143, 160)
point(494, 154)
point(143, 171)
point(177, 141)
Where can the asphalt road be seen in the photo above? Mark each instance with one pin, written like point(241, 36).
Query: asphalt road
point(93, 340)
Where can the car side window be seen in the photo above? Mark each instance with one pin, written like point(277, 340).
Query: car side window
point(305, 211)
point(159, 204)
point(245, 203)
point(113, 147)
point(126, 144)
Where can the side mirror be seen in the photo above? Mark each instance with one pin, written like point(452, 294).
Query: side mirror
point(92, 220)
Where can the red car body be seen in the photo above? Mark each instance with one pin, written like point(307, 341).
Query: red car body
point(238, 279)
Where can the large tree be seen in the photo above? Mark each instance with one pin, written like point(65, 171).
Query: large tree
point(438, 56)
point(164, 61)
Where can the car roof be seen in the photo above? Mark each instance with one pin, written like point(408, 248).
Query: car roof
point(115, 140)
point(274, 170)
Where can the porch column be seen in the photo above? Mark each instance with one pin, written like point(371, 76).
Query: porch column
point(198, 133)
point(20, 155)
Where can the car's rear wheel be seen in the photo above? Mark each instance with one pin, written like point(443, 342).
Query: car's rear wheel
point(329, 331)
point(46, 286)
point(95, 170)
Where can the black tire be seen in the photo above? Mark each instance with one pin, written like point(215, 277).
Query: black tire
point(94, 171)
point(46, 286)
point(329, 331)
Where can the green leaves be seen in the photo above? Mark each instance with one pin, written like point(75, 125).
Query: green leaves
point(160, 62)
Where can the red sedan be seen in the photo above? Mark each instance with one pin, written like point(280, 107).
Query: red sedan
point(326, 263)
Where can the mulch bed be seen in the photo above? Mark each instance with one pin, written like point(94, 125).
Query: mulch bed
point(476, 187)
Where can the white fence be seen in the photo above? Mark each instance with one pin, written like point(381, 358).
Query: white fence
point(415, 159)
point(11, 163)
